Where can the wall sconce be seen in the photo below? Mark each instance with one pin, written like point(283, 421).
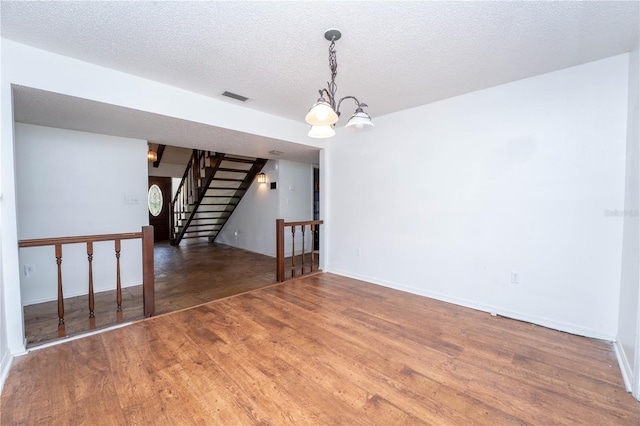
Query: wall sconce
point(152, 156)
point(262, 178)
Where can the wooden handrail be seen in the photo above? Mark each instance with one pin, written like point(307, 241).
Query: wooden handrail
point(308, 222)
point(280, 225)
point(148, 292)
point(80, 239)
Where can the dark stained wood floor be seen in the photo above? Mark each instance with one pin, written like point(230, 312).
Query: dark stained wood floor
point(322, 350)
point(193, 273)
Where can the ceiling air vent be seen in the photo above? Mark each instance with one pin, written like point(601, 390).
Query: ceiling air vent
point(235, 96)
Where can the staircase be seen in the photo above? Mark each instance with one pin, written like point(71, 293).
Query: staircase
point(212, 186)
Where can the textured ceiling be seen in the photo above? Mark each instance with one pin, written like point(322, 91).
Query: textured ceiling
point(393, 55)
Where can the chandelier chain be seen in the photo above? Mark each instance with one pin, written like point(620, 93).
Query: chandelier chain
point(333, 65)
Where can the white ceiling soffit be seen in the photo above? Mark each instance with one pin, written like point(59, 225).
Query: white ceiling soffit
point(393, 55)
point(173, 154)
point(43, 108)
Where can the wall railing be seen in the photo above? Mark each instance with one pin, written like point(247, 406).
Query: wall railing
point(280, 247)
point(148, 293)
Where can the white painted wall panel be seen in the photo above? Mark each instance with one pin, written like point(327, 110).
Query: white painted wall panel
point(5, 353)
point(450, 198)
point(75, 183)
point(630, 280)
point(296, 202)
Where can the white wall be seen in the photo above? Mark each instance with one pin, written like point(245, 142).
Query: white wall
point(447, 199)
point(74, 183)
point(5, 354)
point(255, 217)
point(296, 195)
point(630, 280)
point(296, 202)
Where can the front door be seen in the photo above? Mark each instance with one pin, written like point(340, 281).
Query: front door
point(159, 199)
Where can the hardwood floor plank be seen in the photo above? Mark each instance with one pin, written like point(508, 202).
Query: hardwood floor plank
point(395, 387)
point(132, 382)
point(321, 386)
point(230, 351)
point(322, 350)
point(489, 358)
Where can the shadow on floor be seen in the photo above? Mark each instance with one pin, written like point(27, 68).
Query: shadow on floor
point(191, 274)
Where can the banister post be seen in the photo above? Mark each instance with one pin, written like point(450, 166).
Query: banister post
point(60, 296)
point(148, 291)
point(280, 250)
point(91, 298)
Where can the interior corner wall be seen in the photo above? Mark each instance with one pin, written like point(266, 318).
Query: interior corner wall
point(628, 319)
point(450, 199)
point(13, 314)
point(296, 202)
point(296, 196)
point(5, 353)
point(252, 226)
point(76, 183)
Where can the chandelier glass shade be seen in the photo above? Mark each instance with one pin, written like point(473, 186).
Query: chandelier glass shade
point(359, 122)
point(324, 114)
point(318, 131)
point(321, 114)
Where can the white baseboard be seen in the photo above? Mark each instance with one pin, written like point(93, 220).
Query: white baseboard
point(625, 367)
point(5, 366)
point(507, 313)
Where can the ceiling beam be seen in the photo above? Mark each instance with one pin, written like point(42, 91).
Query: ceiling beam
point(160, 152)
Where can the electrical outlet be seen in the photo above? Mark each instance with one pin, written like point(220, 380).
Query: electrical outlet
point(358, 252)
point(28, 270)
point(515, 278)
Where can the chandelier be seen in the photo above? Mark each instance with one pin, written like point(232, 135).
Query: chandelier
point(324, 114)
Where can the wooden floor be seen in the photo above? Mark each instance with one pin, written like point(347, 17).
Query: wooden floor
point(321, 350)
point(193, 273)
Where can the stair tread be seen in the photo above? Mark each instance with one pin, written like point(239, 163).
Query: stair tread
point(228, 169)
point(228, 179)
point(238, 160)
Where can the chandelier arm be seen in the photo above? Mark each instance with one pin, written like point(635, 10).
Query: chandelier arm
point(360, 105)
point(325, 92)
